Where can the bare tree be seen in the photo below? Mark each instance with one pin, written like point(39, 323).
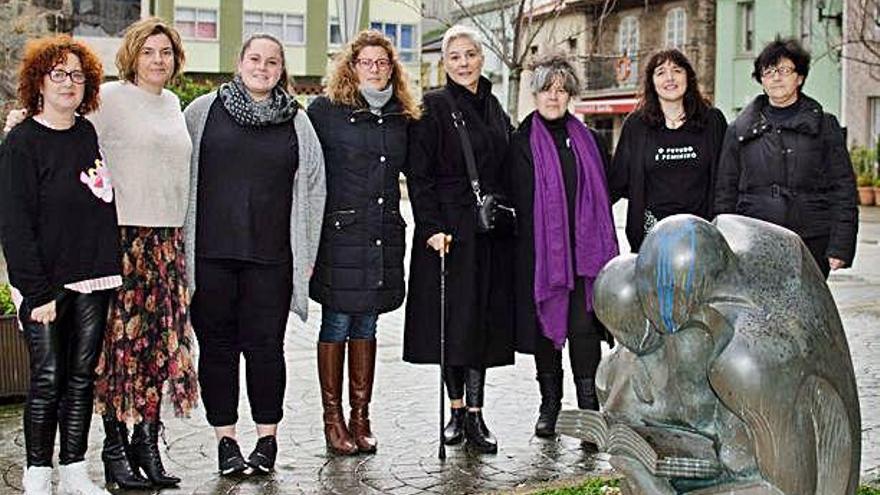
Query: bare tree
point(862, 34)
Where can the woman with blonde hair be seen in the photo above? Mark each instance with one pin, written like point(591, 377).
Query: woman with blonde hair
point(148, 343)
point(362, 123)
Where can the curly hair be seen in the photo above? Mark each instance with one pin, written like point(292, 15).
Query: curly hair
point(135, 37)
point(780, 48)
point(696, 107)
point(342, 83)
point(41, 55)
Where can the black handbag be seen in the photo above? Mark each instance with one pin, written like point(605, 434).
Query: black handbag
point(495, 213)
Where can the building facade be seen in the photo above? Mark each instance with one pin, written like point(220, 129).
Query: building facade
point(610, 48)
point(745, 26)
point(861, 73)
point(212, 31)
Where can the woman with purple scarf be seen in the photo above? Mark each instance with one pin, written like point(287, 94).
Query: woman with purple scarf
point(566, 235)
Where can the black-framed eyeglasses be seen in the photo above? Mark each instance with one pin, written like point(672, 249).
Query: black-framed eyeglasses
point(59, 75)
point(367, 64)
point(784, 70)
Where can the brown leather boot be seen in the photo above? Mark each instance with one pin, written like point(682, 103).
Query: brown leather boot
point(331, 358)
point(361, 369)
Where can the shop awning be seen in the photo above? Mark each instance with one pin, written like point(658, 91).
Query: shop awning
point(606, 106)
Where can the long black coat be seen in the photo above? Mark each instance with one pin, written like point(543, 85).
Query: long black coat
point(797, 175)
point(626, 176)
point(522, 180)
point(479, 284)
point(359, 268)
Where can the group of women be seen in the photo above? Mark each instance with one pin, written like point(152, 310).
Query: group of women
point(115, 213)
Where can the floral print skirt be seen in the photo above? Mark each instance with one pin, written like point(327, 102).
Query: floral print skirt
point(148, 344)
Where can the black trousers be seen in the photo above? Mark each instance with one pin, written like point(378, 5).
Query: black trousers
point(817, 247)
point(584, 336)
point(63, 356)
point(241, 308)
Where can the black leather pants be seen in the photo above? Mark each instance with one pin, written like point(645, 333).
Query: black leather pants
point(460, 379)
point(63, 356)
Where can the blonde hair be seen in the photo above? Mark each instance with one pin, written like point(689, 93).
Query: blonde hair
point(135, 37)
point(343, 85)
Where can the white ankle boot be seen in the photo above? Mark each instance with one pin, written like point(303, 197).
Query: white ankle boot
point(37, 480)
point(74, 480)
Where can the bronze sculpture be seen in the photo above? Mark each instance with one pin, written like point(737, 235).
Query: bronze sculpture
point(733, 365)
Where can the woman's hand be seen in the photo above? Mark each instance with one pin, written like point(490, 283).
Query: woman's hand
point(14, 117)
point(836, 264)
point(44, 314)
point(440, 242)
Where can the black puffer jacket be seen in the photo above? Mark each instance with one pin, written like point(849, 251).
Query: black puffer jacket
point(797, 174)
point(359, 269)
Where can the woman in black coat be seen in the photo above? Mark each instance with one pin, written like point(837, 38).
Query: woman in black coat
point(666, 159)
point(784, 160)
point(362, 123)
point(566, 235)
point(479, 298)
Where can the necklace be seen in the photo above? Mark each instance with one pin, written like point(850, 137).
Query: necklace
point(675, 123)
point(54, 125)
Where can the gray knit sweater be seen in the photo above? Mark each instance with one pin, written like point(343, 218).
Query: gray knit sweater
point(307, 212)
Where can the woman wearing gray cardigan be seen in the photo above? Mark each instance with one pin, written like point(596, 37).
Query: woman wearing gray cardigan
point(253, 225)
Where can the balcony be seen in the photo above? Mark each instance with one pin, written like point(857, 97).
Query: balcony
point(610, 74)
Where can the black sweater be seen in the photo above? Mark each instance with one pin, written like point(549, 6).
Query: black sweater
point(55, 230)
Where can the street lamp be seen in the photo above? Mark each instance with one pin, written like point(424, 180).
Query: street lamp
point(837, 18)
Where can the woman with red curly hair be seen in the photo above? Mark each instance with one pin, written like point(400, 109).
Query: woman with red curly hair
point(362, 123)
point(58, 228)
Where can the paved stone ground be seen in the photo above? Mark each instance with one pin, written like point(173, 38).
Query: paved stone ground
point(405, 416)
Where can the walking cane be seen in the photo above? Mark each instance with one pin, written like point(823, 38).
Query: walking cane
point(441, 454)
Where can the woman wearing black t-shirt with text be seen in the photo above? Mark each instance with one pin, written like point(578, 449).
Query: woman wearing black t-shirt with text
point(666, 158)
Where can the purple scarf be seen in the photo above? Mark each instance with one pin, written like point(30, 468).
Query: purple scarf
point(595, 239)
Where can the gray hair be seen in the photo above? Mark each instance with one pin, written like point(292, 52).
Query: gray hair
point(548, 69)
point(461, 31)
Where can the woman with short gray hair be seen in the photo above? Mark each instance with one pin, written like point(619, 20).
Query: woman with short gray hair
point(566, 235)
point(479, 332)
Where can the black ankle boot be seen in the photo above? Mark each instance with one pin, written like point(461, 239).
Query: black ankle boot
point(145, 454)
point(453, 434)
point(586, 393)
point(262, 459)
point(117, 465)
point(550, 385)
point(479, 438)
point(229, 458)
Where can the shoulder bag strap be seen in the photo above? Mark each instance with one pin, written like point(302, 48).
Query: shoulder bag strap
point(470, 161)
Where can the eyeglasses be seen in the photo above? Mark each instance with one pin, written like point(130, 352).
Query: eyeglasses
point(366, 64)
point(785, 70)
point(59, 75)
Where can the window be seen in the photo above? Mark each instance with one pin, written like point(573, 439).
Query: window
point(335, 31)
point(874, 131)
point(628, 36)
point(403, 36)
point(289, 28)
point(196, 23)
point(747, 27)
point(676, 28)
point(806, 22)
point(104, 18)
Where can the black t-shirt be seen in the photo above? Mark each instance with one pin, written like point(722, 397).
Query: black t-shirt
point(678, 171)
point(245, 189)
point(57, 215)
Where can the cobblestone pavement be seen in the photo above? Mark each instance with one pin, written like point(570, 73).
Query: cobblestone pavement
point(404, 412)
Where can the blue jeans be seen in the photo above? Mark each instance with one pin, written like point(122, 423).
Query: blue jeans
point(339, 327)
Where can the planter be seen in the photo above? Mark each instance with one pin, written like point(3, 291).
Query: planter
point(877, 195)
point(15, 372)
point(866, 195)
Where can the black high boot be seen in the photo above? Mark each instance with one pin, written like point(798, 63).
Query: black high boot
point(145, 454)
point(117, 464)
point(550, 385)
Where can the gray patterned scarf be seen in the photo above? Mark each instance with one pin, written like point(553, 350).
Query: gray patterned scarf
point(278, 108)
